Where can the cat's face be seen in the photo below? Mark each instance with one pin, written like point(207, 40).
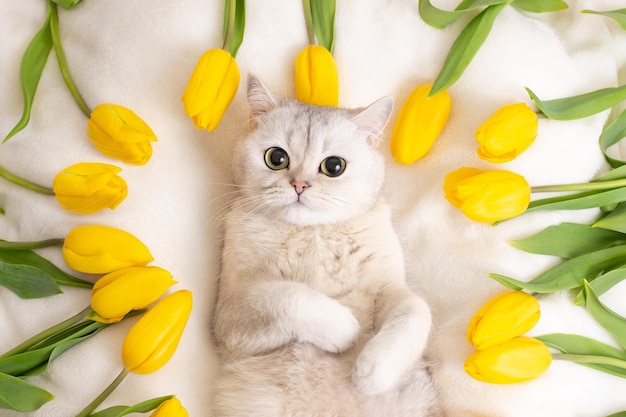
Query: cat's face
point(309, 165)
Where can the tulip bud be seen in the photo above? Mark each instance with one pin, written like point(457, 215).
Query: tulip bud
point(487, 196)
point(103, 249)
point(119, 133)
point(89, 187)
point(152, 341)
point(117, 293)
point(502, 318)
point(317, 79)
point(516, 360)
point(170, 408)
point(211, 88)
point(419, 123)
point(507, 133)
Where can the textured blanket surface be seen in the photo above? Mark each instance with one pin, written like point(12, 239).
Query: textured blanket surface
point(140, 54)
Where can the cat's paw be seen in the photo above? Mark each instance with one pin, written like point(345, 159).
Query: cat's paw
point(331, 326)
point(377, 369)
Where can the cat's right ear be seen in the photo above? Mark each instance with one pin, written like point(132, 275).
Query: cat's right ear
point(259, 98)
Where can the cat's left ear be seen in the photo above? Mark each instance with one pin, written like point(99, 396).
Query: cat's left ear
point(259, 98)
point(373, 119)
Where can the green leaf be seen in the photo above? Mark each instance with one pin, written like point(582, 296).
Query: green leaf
point(603, 283)
point(539, 6)
point(610, 136)
point(568, 240)
point(619, 15)
point(615, 220)
point(234, 25)
point(611, 321)
point(323, 17)
point(465, 47)
point(66, 4)
point(579, 201)
point(588, 348)
point(27, 281)
point(439, 18)
point(19, 395)
point(583, 105)
point(31, 68)
point(123, 410)
point(569, 274)
point(618, 173)
point(620, 414)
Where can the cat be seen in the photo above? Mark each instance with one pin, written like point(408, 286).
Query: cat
point(313, 316)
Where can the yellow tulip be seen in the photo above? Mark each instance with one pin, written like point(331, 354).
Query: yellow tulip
point(516, 360)
point(89, 187)
point(419, 123)
point(211, 88)
point(119, 133)
point(507, 133)
point(117, 293)
point(152, 341)
point(502, 318)
point(170, 408)
point(487, 196)
point(317, 79)
point(102, 249)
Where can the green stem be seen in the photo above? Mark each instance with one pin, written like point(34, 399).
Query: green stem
point(4, 245)
point(591, 359)
point(229, 20)
point(308, 19)
point(40, 337)
point(585, 186)
point(24, 183)
point(107, 391)
point(58, 50)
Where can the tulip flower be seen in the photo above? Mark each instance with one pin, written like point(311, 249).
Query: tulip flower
point(152, 341)
point(419, 123)
point(517, 360)
point(211, 88)
point(89, 187)
point(102, 249)
point(170, 408)
point(502, 318)
point(119, 133)
point(317, 79)
point(487, 196)
point(507, 133)
point(117, 293)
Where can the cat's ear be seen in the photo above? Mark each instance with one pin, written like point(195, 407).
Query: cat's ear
point(259, 98)
point(373, 119)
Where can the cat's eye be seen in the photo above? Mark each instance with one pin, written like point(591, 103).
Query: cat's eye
point(333, 166)
point(276, 158)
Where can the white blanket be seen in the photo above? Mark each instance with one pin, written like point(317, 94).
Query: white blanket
point(140, 54)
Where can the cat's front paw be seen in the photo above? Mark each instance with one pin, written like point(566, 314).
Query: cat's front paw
point(331, 326)
point(377, 369)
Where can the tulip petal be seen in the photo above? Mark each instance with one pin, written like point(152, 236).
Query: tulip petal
point(317, 79)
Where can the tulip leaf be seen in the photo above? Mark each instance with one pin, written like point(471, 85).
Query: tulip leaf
point(586, 350)
point(619, 15)
point(583, 105)
point(539, 6)
point(123, 410)
point(19, 395)
point(570, 273)
point(610, 136)
point(323, 19)
point(620, 414)
point(614, 174)
point(66, 4)
point(578, 201)
point(615, 220)
point(603, 283)
point(31, 68)
point(234, 25)
point(439, 18)
point(465, 47)
point(568, 240)
point(607, 318)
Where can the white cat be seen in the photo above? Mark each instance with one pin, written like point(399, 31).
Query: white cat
point(313, 316)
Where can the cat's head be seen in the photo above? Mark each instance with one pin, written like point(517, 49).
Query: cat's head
point(306, 164)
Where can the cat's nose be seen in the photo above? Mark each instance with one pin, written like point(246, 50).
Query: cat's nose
point(300, 186)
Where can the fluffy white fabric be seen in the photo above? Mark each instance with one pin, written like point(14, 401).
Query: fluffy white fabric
point(140, 54)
